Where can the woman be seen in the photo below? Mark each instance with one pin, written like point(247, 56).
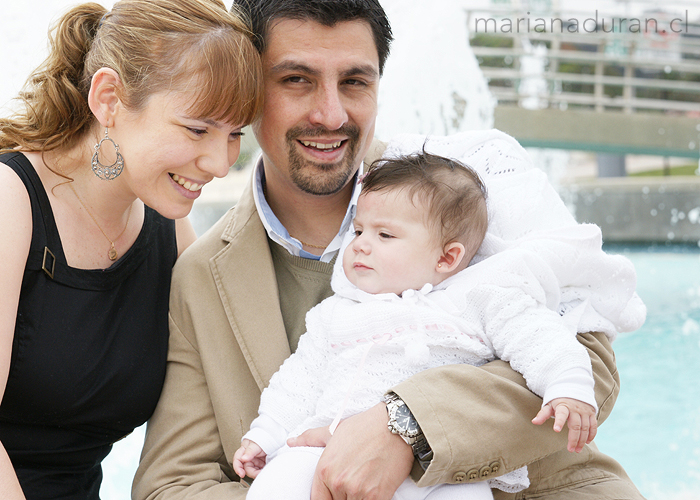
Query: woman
point(133, 112)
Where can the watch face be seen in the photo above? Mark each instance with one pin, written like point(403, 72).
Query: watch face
point(405, 421)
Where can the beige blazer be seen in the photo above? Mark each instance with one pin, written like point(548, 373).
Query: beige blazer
point(228, 338)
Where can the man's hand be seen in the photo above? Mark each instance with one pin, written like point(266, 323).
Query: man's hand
point(580, 417)
point(363, 460)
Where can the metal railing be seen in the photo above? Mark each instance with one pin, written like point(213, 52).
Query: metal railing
point(654, 69)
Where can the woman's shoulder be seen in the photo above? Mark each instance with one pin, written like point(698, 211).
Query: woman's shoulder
point(14, 197)
point(15, 222)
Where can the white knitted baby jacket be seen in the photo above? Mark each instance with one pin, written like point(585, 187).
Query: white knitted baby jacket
point(524, 305)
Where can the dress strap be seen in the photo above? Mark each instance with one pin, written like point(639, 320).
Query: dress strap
point(46, 252)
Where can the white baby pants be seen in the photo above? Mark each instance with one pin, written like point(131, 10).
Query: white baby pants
point(288, 476)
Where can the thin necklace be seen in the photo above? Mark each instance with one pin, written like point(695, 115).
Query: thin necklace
point(309, 244)
point(112, 254)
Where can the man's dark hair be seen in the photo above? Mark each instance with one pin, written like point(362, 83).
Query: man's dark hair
point(263, 13)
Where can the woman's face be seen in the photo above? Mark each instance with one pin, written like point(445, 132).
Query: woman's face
point(170, 156)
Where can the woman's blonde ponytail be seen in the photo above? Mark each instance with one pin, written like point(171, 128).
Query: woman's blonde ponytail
point(55, 112)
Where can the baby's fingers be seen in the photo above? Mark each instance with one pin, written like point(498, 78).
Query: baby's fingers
point(253, 468)
point(593, 428)
point(545, 413)
point(561, 415)
point(578, 432)
point(238, 467)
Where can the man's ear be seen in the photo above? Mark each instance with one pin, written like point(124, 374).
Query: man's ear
point(103, 97)
point(451, 257)
point(375, 151)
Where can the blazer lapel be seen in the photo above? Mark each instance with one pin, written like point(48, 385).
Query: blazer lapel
point(245, 278)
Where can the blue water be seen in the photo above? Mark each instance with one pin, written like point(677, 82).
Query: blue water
point(654, 430)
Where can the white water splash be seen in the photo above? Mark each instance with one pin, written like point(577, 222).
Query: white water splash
point(690, 327)
point(432, 83)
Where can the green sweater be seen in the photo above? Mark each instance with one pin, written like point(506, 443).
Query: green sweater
point(301, 283)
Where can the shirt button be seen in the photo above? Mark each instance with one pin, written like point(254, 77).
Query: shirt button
point(495, 467)
point(459, 477)
point(473, 475)
point(485, 472)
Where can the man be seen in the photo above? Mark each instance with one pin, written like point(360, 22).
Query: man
point(241, 292)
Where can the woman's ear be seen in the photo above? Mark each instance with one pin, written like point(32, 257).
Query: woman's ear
point(103, 97)
point(451, 257)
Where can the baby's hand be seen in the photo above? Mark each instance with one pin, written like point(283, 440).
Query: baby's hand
point(580, 417)
point(249, 459)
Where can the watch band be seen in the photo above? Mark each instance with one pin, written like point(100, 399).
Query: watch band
point(419, 444)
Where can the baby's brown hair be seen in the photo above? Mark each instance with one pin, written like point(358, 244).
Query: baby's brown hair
point(453, 193)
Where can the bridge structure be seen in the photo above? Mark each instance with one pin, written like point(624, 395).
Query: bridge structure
point(609, 85)
point(593, 82)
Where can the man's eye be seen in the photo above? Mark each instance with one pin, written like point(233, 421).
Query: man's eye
point(197, 131)
point(295, 79)
point(354, 82)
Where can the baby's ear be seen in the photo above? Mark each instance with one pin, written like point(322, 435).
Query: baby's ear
point(451, 257)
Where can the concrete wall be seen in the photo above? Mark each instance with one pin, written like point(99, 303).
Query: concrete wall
point(636, 209)
point(610, 132)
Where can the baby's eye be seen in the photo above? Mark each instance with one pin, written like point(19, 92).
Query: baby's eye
point(358, 232)
point(385, 235)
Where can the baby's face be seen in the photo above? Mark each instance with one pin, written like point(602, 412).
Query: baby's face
point(393, 249)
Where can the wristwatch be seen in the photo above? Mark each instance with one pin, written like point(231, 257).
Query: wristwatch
point(401, 422)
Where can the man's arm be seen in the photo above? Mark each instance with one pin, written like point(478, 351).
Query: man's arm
point(183, 456)
point(478, 419)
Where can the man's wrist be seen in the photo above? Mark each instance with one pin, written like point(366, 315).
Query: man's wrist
point(403, 423)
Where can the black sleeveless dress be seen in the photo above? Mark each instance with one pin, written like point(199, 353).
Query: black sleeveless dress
point(89, 352)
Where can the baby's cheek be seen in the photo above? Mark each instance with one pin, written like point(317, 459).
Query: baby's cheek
point(347, 267)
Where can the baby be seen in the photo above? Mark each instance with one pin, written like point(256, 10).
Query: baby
point(405, 301)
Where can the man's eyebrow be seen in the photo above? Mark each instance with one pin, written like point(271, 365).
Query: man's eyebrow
point(293, 66)
point(366, 70)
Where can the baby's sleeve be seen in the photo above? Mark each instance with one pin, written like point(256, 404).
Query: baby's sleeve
point(295, 388)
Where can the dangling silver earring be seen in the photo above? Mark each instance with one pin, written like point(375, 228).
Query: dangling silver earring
point(107, 172)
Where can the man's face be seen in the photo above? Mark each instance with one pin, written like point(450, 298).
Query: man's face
point(321, 86)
